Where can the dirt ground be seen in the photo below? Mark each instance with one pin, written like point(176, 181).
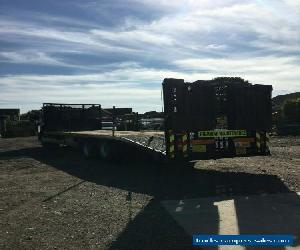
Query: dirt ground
point(57, 199)
point(283, 163)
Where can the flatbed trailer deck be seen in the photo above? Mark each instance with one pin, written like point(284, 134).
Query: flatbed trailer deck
point(103, 143)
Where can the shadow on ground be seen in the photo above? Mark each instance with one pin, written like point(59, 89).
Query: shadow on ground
point(154, 226)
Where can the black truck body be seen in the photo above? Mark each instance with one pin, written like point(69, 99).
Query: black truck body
point(224, 117)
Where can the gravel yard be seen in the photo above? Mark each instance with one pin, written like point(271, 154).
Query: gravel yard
point(57, 199)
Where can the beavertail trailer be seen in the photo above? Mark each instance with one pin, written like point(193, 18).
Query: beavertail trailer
point(80, 126)
point(223, 117)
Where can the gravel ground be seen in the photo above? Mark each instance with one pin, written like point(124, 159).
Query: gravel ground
point(284, 162)
point(57, 199)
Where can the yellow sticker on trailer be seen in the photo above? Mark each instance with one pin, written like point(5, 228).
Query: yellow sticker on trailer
point(222, 133)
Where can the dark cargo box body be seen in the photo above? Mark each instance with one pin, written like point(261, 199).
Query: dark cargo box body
point(217, 118)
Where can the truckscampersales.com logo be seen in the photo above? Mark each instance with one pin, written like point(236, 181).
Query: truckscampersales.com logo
point(243, 240)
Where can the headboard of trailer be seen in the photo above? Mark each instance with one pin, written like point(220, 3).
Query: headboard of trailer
point(71, 117)
point(223, 117)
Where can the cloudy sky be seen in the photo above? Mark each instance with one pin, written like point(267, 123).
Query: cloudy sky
point(117, 52)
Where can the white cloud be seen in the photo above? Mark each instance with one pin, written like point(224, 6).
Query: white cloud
point(294, 4)
point(282, 73)
point(140, 87)
point(252, 65)
point(136, 37)
point(194, 39)
point(28, 58)
point(17, 30)
point(105, 94)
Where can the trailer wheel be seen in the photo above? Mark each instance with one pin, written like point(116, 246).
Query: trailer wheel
point(87, 150)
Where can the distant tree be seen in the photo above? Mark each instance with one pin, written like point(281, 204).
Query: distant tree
point(233, 80)
point(33, 115)
point(291, 110)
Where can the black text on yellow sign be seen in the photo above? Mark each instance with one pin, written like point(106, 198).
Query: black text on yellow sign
point(222, 133)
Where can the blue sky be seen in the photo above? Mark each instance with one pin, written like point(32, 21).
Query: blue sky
point(118, 52)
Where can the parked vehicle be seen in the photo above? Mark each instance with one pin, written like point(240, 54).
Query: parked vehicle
point(223, 117)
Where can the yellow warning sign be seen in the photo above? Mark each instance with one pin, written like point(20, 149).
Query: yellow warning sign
point(222, 133)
